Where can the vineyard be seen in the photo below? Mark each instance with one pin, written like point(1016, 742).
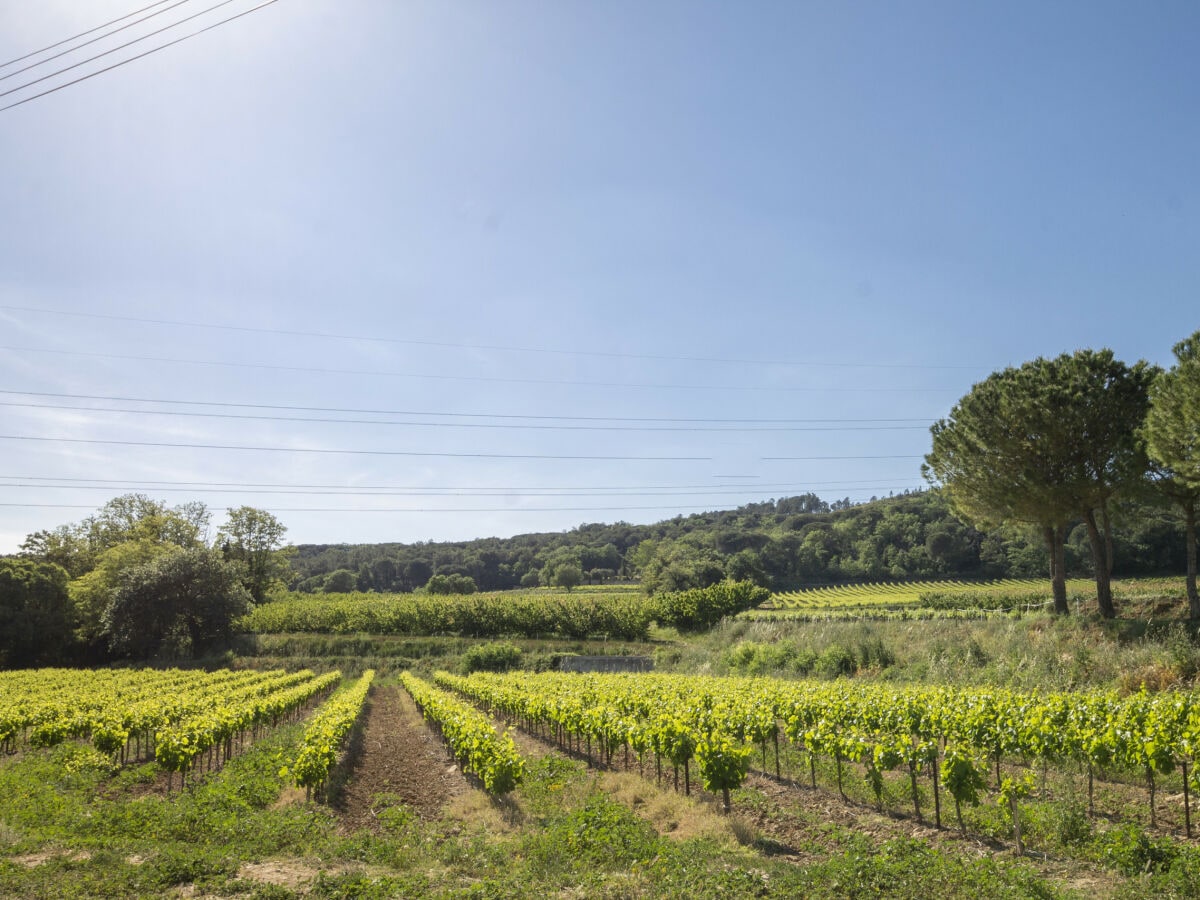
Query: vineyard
point(432, 783)
point(914, 599)
point(952, 738)
point(620, 614)
point(911, 593)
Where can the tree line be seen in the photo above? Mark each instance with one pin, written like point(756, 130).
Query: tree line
point(135, 580)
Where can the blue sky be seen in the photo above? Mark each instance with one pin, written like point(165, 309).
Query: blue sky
point(812, 225)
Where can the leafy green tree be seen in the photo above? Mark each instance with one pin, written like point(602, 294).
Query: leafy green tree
point(254, 538)
point(1043, 444)
point(92, 593)
point(187, 598)
point(35, 613)
point(417, 573)
point(1103, 403)
point(680, 566)
point(340, 581)
point(64, 546)
point(1172, 436)
point(567, 575)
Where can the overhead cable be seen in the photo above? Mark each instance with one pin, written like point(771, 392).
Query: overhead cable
point(42, 62)
point(420, 453)
point(607, 354)
point(131, 58)
point(81, 34)
point(487, 379)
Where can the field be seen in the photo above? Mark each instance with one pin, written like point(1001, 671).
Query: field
point(1011, 595)
point(902, 763)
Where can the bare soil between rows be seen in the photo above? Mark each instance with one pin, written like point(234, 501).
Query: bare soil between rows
point(396, 753)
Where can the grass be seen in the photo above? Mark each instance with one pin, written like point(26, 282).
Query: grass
point(1039, 651)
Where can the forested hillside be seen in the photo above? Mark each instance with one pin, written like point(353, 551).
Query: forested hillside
point(781, 544)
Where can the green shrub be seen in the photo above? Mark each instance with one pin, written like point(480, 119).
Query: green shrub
point(1129, 850)
point(836, 660)
point(499, 656)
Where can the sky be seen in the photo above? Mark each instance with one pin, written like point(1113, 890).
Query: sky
point(406, 271)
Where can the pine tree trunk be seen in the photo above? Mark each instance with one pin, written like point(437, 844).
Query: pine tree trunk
point(1190, 529)
point(1106, 523)
point(1058, 568)
point(1100, 566)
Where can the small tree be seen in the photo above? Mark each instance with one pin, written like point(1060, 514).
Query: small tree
point(254, 538)
point(190, 594)
point(567, 576)
point(35, 613)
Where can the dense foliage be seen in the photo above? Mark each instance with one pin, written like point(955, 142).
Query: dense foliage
point(135, 579)
point(35, 612)
point(782, 544)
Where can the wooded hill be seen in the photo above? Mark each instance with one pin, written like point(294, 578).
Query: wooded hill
point(781, 544)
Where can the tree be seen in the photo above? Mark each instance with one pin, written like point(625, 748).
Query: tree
point(65, 546)
point(417, 573)
point(340, 581)
point(93, 593)
point(995, 458)
point(1044, 444)
point(254, 538)
point(1102, 402)
point(1172, 436)
point(35, 613)
point(188, 598)
point(567, 575)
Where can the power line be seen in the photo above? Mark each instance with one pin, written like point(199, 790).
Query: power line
point(132, 58)
point(861, 483)
point(417, 453)
point(809, 458)
point(503, 425)
point(430, 492)
point(42, 62)
point(487, 379)
point(84, 62)
point(405, 509)
point(404, 412)
point(460, 346)
point(81, 34)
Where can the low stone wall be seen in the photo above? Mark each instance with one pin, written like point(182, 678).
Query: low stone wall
point(606, 664)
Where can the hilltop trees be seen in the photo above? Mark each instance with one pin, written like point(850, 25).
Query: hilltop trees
point(1044, 444)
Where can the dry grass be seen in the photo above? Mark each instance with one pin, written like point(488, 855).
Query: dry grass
point(676, 816)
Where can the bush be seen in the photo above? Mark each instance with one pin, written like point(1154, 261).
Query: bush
point(1131, 851)
point(495, 657)
point(836, 660)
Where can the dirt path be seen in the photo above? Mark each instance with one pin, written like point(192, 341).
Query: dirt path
point(397, 754)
